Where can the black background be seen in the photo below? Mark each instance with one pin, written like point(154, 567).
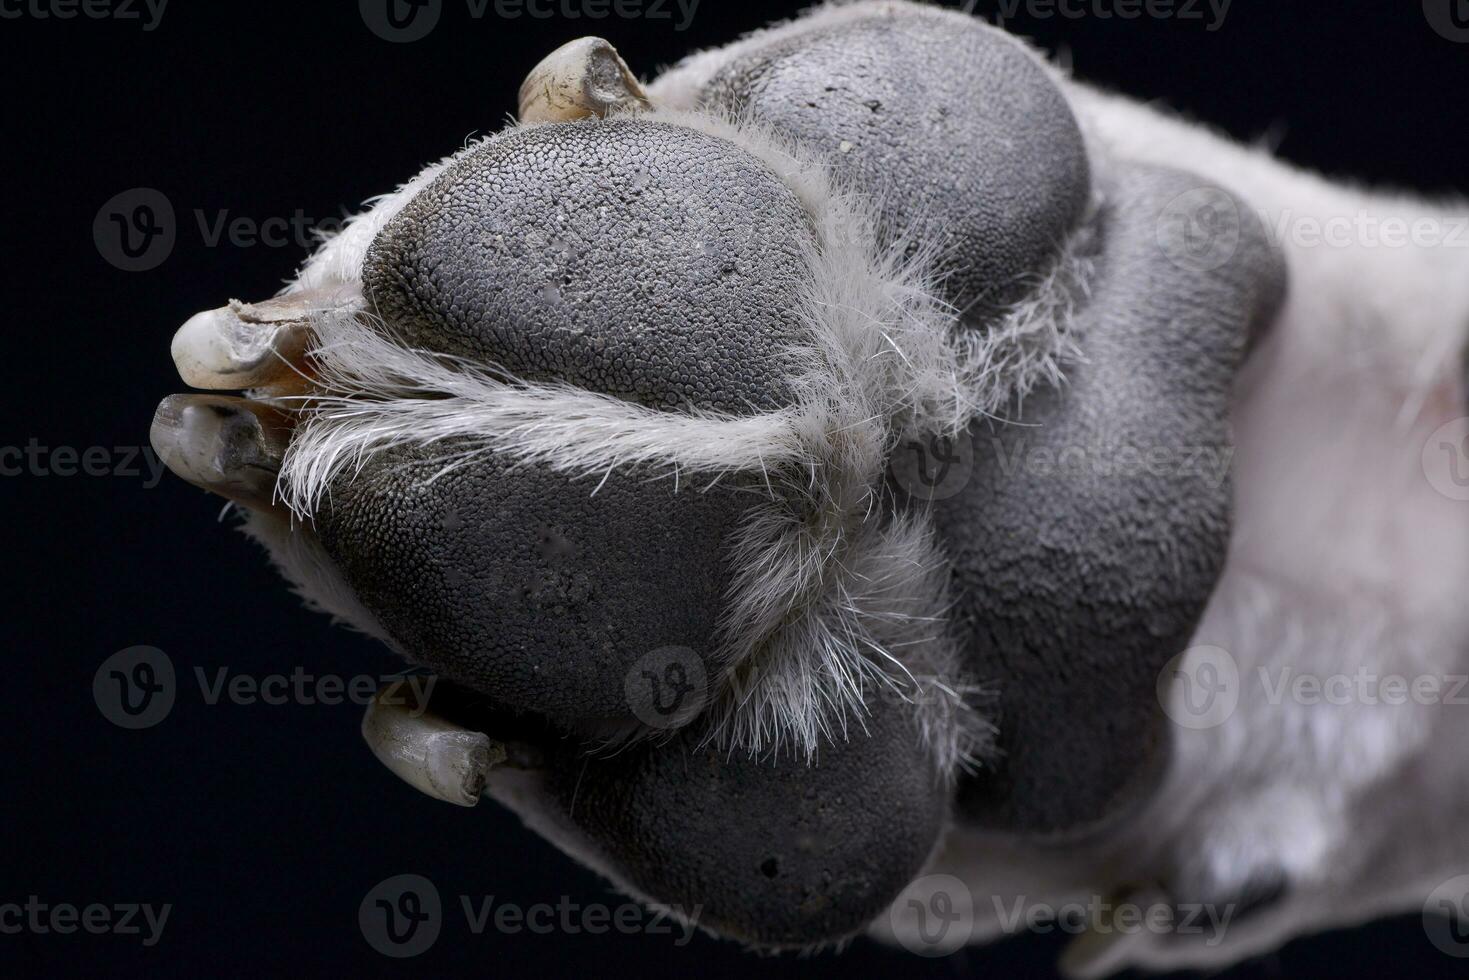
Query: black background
point(265, 826)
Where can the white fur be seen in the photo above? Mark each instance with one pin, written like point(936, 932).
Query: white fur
point(374, 401)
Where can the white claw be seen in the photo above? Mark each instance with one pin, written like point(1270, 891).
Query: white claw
point(229, 446)
point(428, 753)
point(584, 78)
point(249, 345)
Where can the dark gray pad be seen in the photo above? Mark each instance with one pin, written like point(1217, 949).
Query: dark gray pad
point(628, 257)
point(520, 583)
point(949, 124)
point(1080, 574)
point(776, 853)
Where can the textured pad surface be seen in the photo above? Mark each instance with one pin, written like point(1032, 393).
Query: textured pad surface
point(951, 125)
point(634, 258)
point(1088, 537)
point(776, 853)
point(520, 583)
